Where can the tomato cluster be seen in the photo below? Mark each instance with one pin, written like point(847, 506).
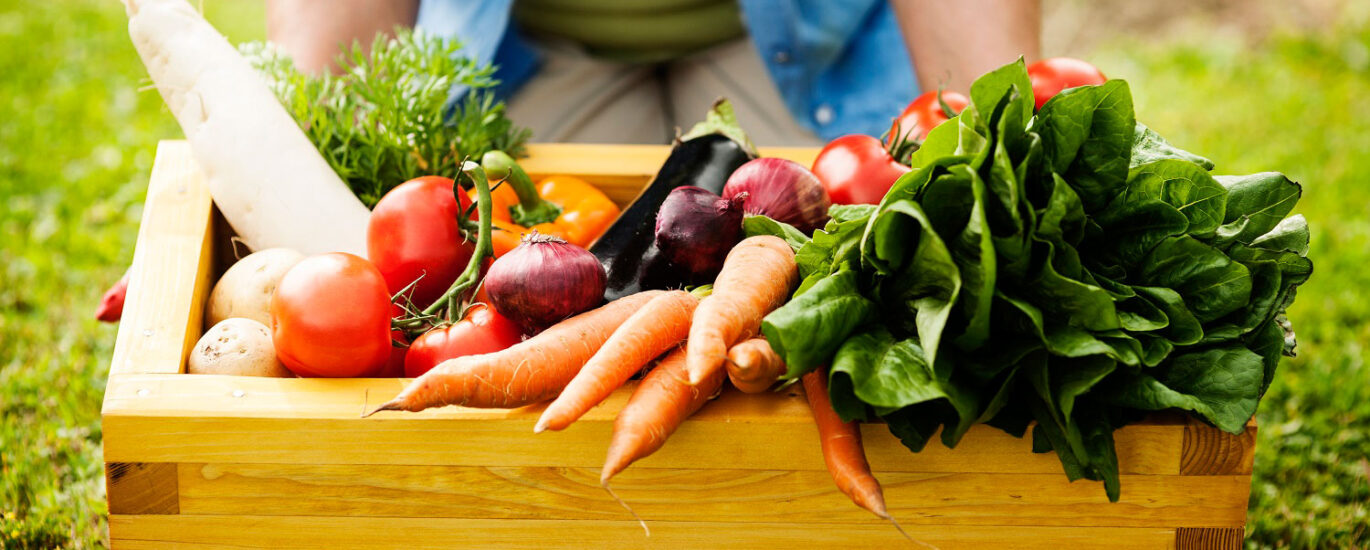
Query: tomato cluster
point(331, 314)
point(860, 169)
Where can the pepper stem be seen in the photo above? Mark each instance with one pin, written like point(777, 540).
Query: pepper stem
point(532, 209)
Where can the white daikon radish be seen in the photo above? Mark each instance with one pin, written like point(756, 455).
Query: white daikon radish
point(271, 184)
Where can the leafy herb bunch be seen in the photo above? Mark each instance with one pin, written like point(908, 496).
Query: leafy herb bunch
point(1068, 267)
point(384, 118)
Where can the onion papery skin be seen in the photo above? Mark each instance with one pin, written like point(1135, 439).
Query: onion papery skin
point(543, 281)
point(782, 190)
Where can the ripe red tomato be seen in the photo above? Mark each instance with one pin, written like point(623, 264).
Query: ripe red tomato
point(330, 317)
point(856, 169)
point(414, 232)
point(924, 114)
point(1050, 76)
point(482, 331)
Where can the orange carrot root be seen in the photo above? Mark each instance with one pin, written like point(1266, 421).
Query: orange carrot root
point(529, 372)
point(842, 450)
point(753, 366)
point(758, 276)
point(662, 401)
point(660, 325)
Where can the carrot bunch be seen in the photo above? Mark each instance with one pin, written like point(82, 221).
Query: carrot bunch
point(579, 362)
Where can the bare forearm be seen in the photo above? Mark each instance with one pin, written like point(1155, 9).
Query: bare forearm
point(312, 32)
point(953, 41)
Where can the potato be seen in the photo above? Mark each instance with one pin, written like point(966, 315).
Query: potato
point(245, 289)
point(240, 347)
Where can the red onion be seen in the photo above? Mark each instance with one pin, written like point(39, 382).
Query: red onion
point(695, 229)
point(782, 190)
point(544, 280)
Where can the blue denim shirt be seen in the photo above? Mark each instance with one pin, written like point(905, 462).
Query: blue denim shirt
point(841, 66)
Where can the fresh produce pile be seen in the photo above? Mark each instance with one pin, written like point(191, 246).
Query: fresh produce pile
point(1068, 267)
point(1027, 255)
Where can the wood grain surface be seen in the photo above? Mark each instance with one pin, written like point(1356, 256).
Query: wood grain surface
point(333, 533)
point(722, 495)
point(170, 276)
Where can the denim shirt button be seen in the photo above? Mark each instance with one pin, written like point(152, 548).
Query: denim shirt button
point(823, 115)
point(782, 57)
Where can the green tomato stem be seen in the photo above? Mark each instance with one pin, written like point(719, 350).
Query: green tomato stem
point(532, 209)
point(450, 303)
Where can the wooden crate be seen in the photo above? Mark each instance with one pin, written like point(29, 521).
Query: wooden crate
point(220, 461)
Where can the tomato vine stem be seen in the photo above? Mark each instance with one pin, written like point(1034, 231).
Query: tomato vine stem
point(451, 302)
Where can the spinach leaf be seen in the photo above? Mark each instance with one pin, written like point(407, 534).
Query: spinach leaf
point(1148, 146)
point(927, 282)
point(1132, 225)
point(1290, 234)
point(1087, 138)
point(808, 330)
point(1212, 284)
point(988, 90)
point(824, 253)
point(1185, 186)
point(973, 250)
point(1063, 219)
point(754, 225)
point(942, 142)
point(1221, 384)
point(885, 372)
point(1085, 305)
point(1182, 327)
point(913, 425)
point(1255, 204)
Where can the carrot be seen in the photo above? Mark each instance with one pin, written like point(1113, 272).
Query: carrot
point(660, 404)
point(757, 277)
point(753, 366)
point(528, 372)
point(653, 330)
point(842, 450)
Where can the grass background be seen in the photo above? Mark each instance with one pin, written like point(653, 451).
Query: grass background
point(1253, 85)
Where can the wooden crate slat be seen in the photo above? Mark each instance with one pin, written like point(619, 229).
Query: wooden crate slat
point(333, 533)
point(1216, 538)
point(171, 269)
point(1210, 451)
point(142, 488)
point(724, 495)
point(221, 419)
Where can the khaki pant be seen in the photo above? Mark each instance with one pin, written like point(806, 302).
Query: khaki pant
point(578, 98)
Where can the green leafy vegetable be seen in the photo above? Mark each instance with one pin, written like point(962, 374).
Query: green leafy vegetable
point(1069, 268)
point(384, 118)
